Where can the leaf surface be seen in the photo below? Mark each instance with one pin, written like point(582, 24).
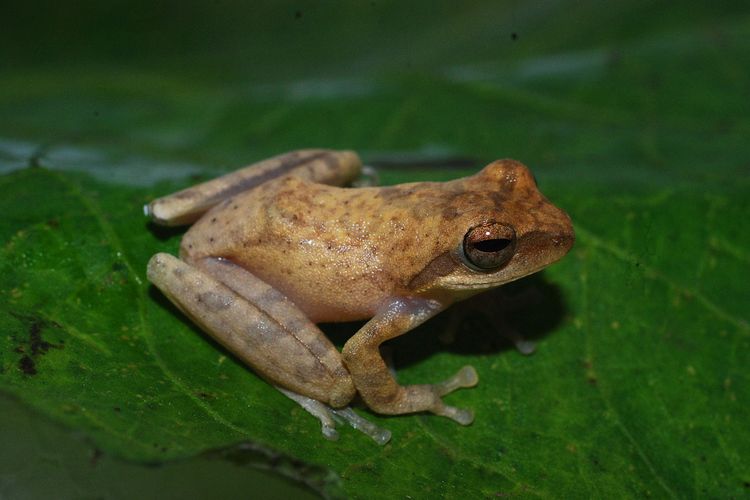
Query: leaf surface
point(639, 385)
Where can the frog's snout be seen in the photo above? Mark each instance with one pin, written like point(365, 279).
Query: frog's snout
point(564, 240)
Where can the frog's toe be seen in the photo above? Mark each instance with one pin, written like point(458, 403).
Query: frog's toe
point(466, 377)
point(378, 434)
point(326, 415)
point(316, 409)
point(329, 431)
point(459, 415)
point(525, 347)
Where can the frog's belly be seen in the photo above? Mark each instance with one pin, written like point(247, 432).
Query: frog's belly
point(332, 275)
point(326, 299)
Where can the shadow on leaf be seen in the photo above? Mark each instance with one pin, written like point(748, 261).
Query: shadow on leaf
point(513, 316)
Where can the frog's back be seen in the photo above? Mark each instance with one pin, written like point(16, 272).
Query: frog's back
point(338, 253)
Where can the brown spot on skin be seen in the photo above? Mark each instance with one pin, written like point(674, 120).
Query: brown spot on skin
point(215, 301)
point(450, 213)
point(185, 195)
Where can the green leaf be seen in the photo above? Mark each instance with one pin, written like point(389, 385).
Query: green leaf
point(637, 128)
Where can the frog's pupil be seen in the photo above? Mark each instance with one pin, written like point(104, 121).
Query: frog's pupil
point(491, 246)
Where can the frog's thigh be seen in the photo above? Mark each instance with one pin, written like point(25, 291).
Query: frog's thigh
point(317, 165)
point(257, 324)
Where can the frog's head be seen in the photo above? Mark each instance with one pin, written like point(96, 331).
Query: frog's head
point(502, 229)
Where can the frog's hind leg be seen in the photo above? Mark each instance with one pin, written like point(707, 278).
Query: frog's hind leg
point(284, 311)
point(257, 324)
point(317, 165)
point(265, 330)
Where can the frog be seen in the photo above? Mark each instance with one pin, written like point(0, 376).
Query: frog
point(278, 247)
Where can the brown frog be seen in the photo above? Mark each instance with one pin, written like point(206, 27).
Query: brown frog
point(278, 246)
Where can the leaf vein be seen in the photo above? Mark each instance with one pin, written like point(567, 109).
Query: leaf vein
point(114, 241)
point(607, 403)
point(654, 274)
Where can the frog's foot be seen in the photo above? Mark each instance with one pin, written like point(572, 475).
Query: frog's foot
point(466, 377)
point(317, 410)
point(379, 435)
point(328, 417)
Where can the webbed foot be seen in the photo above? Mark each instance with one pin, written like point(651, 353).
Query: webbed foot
point(465, 377)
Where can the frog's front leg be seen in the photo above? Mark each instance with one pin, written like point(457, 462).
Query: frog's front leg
point(373, 379)
point(266, 331)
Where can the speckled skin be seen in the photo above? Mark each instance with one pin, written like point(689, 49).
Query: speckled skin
point(341, 253)
point(279, 252)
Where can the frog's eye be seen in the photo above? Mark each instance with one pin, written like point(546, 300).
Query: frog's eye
point(489, 246)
